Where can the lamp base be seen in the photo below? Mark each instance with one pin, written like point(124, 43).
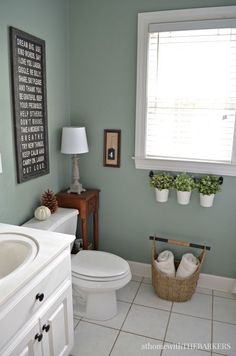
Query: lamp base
point(76, 188)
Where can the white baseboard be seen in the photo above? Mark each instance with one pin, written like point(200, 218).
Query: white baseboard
point(216, 282)
point(140, 269)
point(205, 280)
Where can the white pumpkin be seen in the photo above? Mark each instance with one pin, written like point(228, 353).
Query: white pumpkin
point(42, 213)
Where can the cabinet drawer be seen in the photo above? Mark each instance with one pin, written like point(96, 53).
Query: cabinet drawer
point(25, 304)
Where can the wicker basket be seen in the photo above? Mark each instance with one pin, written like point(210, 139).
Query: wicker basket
point(175, 289)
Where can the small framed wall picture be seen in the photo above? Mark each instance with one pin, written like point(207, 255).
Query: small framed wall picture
point(111, 151)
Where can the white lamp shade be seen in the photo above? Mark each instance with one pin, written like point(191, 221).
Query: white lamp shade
point(0, 163)
point(74, 140)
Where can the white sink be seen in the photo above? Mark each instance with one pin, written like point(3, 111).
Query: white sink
point(16, 252)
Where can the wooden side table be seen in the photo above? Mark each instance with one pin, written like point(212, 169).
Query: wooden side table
point(87, 203)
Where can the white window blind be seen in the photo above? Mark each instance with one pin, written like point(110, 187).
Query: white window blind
point(191, 95)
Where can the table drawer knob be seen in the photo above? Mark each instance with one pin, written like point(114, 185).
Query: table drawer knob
point(39, 297)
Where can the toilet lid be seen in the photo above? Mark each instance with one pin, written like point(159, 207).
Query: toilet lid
point(98, 264)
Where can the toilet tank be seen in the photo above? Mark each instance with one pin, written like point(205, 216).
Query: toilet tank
point(63, 221)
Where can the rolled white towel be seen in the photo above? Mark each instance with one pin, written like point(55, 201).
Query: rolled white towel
point(165, 263)
point(187, 266)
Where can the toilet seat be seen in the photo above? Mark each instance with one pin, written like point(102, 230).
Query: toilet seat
point(97, 279)
point(99, 266)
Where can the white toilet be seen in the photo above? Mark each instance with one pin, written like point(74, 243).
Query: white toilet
point(96, 275)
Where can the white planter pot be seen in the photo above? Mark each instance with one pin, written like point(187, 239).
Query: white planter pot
point(162, 195)
point(183, 198)
point(206, 201)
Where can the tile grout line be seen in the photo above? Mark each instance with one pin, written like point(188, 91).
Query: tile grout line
point(191, 316)
point(197, 292)
point(165, 310)
point(125, 317)
point(168, 322)
point(212, 324)
point(77, 324)
point(145, 336)
point(147, 306)
point(212, 310)
point(123, 301)
point(224, 322)
point(174, 312)
point(114, 343)
point(132, 302)
point(217, 296)
point(96, 323)
point(161, 309)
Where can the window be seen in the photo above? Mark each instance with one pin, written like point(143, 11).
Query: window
point(186, 91)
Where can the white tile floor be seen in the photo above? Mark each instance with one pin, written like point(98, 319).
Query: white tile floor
point(146, 325)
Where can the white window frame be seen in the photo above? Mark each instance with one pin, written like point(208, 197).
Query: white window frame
point(162, 17)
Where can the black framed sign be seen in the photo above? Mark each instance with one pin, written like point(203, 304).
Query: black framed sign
point(28, 65)
point(111, 150)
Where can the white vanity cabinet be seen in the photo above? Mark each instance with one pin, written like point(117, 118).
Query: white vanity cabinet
point(25, 345)
point(57, 325)
point(38, 320)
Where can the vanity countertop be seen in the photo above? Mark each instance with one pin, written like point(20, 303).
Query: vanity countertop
point(50, 245)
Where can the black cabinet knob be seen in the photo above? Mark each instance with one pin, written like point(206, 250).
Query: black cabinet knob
point(38, 337)
point(46, 327)
point(40, 297)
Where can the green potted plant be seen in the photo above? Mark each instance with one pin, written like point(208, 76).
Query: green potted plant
point(184, 184)
point(208, 186)
point(162, 182)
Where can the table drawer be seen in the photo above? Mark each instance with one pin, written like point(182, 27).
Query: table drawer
point(92, 205)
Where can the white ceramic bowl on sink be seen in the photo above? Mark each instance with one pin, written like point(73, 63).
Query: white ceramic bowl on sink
point(16, 252)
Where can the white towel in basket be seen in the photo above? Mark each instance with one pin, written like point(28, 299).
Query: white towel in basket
point(165, 263)
point(187, 266)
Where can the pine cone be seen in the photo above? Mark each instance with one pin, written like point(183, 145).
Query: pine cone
point(49, 200)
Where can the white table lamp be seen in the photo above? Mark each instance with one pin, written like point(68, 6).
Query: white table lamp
point(74, 142)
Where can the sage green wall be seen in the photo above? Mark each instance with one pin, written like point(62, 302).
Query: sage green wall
point(47, 19)
point(103, 79)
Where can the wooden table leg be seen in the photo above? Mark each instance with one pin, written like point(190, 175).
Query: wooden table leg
point(95, 230)
point(85, 233)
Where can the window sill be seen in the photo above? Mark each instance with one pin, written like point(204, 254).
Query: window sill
point(181, 166)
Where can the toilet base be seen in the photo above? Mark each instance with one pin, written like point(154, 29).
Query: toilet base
point(101, 306)
point(95, 306)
